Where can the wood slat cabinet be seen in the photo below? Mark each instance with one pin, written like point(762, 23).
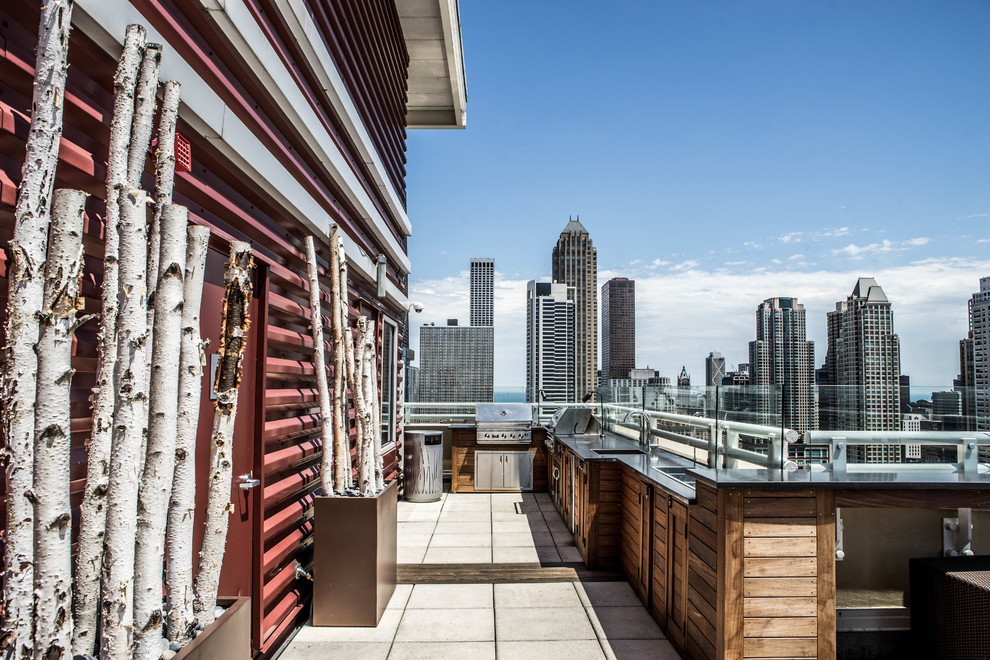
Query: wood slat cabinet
point(637, 539)
point(586, 494)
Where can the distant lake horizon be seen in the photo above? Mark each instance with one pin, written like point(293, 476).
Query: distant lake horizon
point(509, 395)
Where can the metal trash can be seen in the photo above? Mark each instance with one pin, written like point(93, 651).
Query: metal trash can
point(423, 453)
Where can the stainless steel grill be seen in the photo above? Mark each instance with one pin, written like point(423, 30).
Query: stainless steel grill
point(504, 423)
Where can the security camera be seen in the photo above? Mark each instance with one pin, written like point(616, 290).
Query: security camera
point(416, 307)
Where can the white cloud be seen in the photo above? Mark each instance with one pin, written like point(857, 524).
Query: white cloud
point(752, 244)
point(886, 245)
point(656, 263)
point(983, 240)
point(795, 256)
point(684, 265)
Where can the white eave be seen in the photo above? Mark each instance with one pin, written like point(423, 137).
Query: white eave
point(437, 96)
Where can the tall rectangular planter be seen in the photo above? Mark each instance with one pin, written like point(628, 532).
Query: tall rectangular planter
point(227, 638)
point(354, 564)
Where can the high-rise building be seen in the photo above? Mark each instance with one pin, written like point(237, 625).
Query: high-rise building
point(782, 364)
point(714, 369)
point(618, 328)
point(575, 264)
point(550, 346)
point(684, 379)
point(455, 363)
point(861, 376)
point(979, 332)
point(946, 403)
point(965, 384)
point(482, 292)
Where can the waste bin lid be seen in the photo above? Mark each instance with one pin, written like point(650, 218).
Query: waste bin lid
point(434, 439)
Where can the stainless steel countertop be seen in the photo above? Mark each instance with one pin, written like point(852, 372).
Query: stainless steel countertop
point(646, 465)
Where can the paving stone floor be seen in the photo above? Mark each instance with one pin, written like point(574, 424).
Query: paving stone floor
point(544, 621)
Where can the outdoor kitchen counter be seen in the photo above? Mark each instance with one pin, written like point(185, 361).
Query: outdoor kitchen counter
point(465, 445)
point(644, 465)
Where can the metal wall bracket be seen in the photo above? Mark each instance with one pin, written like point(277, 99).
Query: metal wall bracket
point(840, 553)
point(248, 481)
point(957, 534)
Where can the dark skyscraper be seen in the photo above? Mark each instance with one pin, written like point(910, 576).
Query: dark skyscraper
point(575, 263)
point(618, 328)
point(482, 292)
point(714, 369)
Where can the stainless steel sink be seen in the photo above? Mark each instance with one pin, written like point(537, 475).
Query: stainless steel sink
point(617, 450)
point(679, 473)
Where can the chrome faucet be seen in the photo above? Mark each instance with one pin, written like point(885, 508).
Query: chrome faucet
point(644, 428)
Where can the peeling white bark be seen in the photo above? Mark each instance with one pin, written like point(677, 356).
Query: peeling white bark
point(181, 507)
point(130, 424)
point(53, 433)
point(237, 298)
point(93, 515)
point(319, 364)
point(159, 463)
point(377, 413)
point(27, 255)
point(341, 448)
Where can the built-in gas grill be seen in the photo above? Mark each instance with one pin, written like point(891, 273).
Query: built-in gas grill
point(504, 423)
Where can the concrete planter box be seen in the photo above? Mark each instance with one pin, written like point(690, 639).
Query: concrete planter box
point(227, 638)
point(354, 564)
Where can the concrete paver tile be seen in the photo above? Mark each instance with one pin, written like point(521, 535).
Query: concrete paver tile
point(451, 596)
point(551, 650)
point(536, 594)
point(475, 555)
point(447, 625)
point(624, 623)
point(460, 540)
point(547, 623)
point(434, 650)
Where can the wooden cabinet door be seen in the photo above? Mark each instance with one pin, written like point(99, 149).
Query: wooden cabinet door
point(646, 541)
point(632, 530)
point(677, 530)
point(581, 507)
point(659, 583)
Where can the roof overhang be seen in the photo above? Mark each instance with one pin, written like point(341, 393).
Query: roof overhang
point(437, 96)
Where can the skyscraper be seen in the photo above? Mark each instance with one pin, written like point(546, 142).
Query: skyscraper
point(782, 364)
point(549, 341)
point(575, 264)
point(482, 292)
point(714, 369)
point(965, 384)
point(979, 332)
point(455, 363)
point(618, 328)
point(862, 366)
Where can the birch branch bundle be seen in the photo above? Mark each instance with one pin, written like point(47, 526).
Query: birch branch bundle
point(159, 464)
point(237, 298)
point(376, 401)
point(180, 622)
point(93, 515)
point(53, 434)
point(341, 444)
point(27, 251)
point(319, 364)
point(130, 421)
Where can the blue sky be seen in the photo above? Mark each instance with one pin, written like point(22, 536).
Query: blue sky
point(719, 153)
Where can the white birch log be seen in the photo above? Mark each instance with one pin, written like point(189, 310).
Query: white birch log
point(349, 369)
point(53, 434)
point(164, 182)
point(340, 439)
point(27, 257)
point(145, 101)
point(377, 401)
point(130, 424)
point(363, 410)
point(237, 298)
point(181, 508)
point(93, 514)
point(159, 463)
point(319, 364)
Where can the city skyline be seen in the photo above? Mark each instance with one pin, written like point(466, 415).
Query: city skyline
point(929, 352)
